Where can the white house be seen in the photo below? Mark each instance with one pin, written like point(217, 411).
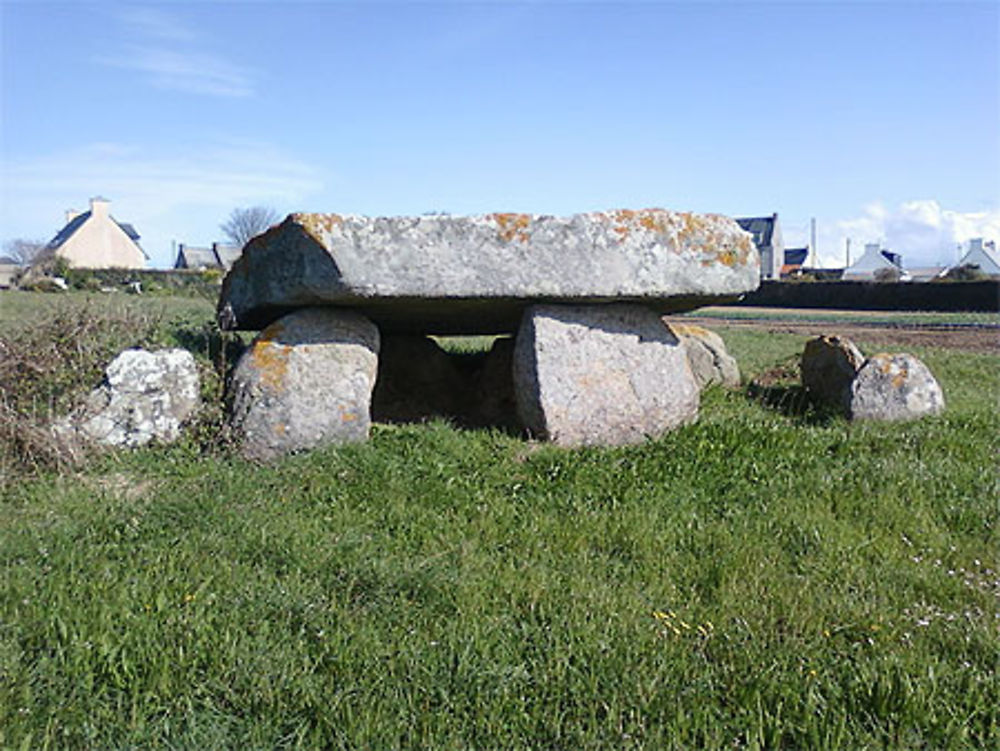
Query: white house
point(984, 255)
point(95, 240)
point(10, 269)
point(767, 236)
point(874, 260)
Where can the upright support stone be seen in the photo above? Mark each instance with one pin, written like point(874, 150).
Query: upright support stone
point(306, 381)
point(600, 374)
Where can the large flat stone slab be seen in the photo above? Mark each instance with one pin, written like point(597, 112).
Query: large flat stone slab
point(477, 274)
point(601, 375)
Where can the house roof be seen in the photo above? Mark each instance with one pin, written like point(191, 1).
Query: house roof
point(8, 261)
point(796, 256)
point(985, 257)
point(761, 227)
point(227, 254)
point(191, 257)
point(78, 221)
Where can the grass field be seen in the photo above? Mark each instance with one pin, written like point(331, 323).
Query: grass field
point(769, 577)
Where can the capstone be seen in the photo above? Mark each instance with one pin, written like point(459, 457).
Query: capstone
point(477, 274)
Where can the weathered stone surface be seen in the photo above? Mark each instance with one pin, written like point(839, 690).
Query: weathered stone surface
point(894, 387)
point(707, 355)
point(829, 365)
point(476, 274)
point(305, 381)
point(145, 396)
point(604, 375)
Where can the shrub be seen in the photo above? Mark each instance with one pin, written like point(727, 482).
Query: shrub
point(47, 365)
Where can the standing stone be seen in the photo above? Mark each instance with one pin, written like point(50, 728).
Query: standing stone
point(894, 387)
point(707, 355)
point(306, 381)
point(600, 375)
point(145, 396)
point(829, 365)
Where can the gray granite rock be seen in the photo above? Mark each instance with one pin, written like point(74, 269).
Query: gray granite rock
point(600, 375)
point(829, 365)
point(145, 396)
point(707, 354)
point(305, 381)
point(894, 387)
point(477, 274)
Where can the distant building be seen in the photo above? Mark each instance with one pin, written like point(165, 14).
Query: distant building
point(219, 256)
point(95, 240)
point(926, 273)
point(984, 255)
point(874, 260)
point(794, 258)
point(766, 231)
point(9, 271)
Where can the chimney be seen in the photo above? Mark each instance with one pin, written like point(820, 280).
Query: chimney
point(71, 214)
point(99, 206)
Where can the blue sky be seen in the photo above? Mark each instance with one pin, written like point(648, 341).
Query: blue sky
point(880, 120)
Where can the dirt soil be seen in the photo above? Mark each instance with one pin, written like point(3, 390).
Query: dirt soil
point(898, 335)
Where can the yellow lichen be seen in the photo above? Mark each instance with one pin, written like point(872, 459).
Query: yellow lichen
point(269, 358)
point(318, 225)
point(513, 226)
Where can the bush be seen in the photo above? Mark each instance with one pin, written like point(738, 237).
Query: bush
point(47, 365)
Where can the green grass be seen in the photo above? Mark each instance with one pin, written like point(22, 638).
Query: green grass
point(764, 578)
point(844, 316)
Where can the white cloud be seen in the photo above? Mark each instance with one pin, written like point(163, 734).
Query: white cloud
point(181, 194)
point(173, 56)
point(922, 230)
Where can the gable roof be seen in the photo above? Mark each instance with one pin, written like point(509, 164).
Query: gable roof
point(227, 254)
point(761, 227)
point(191, 257)
point(78, 221)
point(796, 256)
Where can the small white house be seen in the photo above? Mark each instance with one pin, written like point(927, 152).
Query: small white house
point(874, 260)
point(984, 255)
point(95, 240)
point(10, 269)
point(766, 231)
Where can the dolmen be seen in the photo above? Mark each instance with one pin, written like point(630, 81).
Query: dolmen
point(591, 362)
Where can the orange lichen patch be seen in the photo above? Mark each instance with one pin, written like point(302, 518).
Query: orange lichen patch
point(629, 220)
point(348, 417)
point(280, 428)
point(513, 226)
point(271, 359)
point(318, 225)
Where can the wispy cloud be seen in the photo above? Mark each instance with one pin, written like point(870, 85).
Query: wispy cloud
point(172, 55)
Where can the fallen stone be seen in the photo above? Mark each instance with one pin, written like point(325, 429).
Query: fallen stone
point(894, 387)
point(707, 355)
point(829, 365)
point(604, 375)
point(146, 396)
point(304, 382)
point(477, 274)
